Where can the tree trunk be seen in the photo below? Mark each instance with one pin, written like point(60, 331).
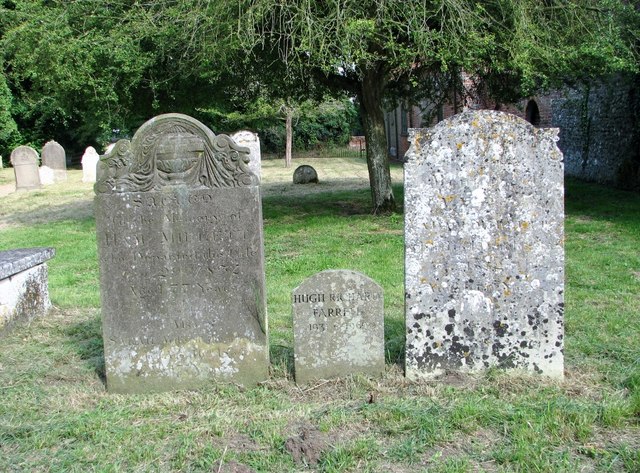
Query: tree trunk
point(289, 137)
point(372, 114)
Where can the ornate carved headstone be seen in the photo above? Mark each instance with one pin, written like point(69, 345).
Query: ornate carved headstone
point(179, 226)
point(484, 260)
point(55, 158)
point(252, 141)
point(89, 163)
point(24, 160)
point(338, 326)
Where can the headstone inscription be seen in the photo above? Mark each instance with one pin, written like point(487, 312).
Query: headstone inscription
point(89, 162)
point(55, 158)
point(179, 227)
point(24, 160)
point(252, 141)
point(484, 259)
point(338, 326)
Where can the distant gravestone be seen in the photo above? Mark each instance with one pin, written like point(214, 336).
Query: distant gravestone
point(55, 158)
point(305, 174)
point(251, 141)
point(47, 175)
point(179, 230)
point(24, 160)
point(338, 326)
point(89, 163)
point(484, 255)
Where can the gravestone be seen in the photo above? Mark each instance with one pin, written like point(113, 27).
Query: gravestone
point(484, 259)
point(305, 174)
point(89, 163)
point(338, 326)
point(24, 160)
point(47, 175)
point(55, 158)
point(179, 231)
point(251, 141)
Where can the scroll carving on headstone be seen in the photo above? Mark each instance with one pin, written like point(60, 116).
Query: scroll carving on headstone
point(179, 227)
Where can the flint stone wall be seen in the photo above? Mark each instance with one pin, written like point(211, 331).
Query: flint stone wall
point(179, 226)
point(484, 258)
point(338, 326)
point(24, 285)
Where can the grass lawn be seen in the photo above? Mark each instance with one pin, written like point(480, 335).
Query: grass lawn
point(56, 416)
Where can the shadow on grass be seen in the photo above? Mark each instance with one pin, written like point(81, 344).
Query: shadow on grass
point(330, 203)
point(598, 202)
point(394, 341)
point(86, 340)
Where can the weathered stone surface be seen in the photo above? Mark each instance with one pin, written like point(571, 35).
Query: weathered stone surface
point(54, 157)
point(24, 160)
point(338, 326)
point(179, 228)
point(89, 163)
point(484, 256)
point(305, 174)
point(252, 141)
point(24, 287)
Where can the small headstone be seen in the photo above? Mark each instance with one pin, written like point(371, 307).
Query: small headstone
point(484, 255)
point(47, 175)
point(24, 160)
point(251, 141)
point(89, 163)
point(179, 231)
point(338, 326)
point(54, 157)
point(305, 174)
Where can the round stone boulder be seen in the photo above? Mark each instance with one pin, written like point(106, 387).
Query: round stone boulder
point(304, 175)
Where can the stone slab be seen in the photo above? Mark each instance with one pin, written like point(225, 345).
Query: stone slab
point(338, 326)
point(179, 230)
point(484, 259)
point(20, 259)
point(24, 285)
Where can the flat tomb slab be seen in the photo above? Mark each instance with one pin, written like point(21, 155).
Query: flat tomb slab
point(24, 286)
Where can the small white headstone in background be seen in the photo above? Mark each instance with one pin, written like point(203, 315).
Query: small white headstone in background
point(47, 175)
point(90, 160)
point(251, 141)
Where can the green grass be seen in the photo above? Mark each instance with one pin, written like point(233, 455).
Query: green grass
point(56, 416)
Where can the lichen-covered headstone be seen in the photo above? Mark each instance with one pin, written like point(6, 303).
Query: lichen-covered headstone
point(252, 141)
point(89, 163)
point(55, 158)
point(305, 174)
point(179, 230)
point(484, 258)
point(338, 326)
point(24, 160)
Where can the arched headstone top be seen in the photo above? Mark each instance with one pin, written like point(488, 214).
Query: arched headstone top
point(174, 149)
point(487, 126)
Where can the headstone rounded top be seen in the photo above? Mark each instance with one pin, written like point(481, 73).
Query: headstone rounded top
point(305, 174)
point(24, 155)
point(487, 126)
point(174, 149)
point(53, 155)
point(245, 136)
